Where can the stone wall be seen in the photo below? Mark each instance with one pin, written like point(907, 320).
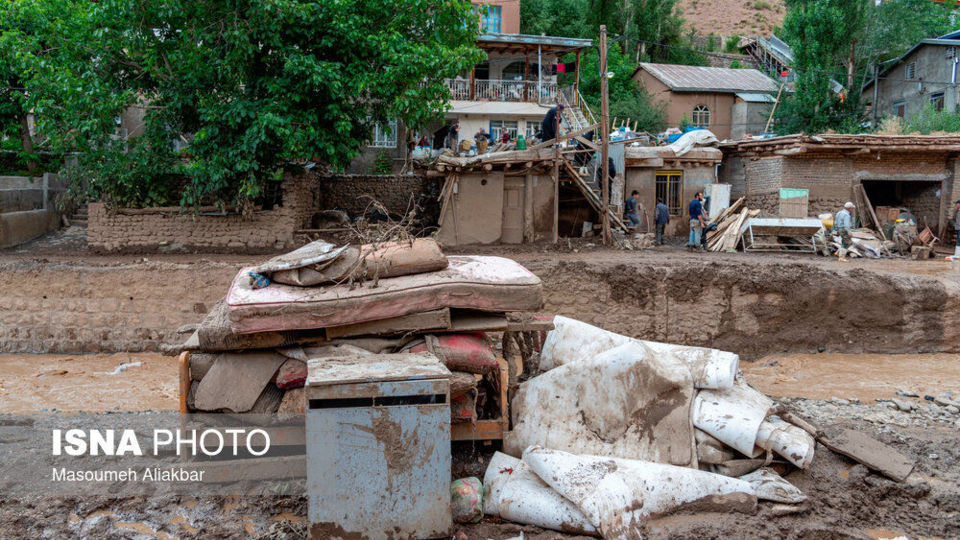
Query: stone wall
point(353, 192)
point(151, 229)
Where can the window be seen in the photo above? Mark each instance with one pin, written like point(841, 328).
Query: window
point(497, 127)
point(910, 71)
point(533, 126)
point(385, 136)
point(668, 190)
point(490, 19)
point(701, 116)
point(899, 108)
point(937, 101)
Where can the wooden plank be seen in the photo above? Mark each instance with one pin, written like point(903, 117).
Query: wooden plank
point(236, 380)
point(873, 215)
point(866, 450)
point(483, 430)
point(477, 321)
point(427, 320)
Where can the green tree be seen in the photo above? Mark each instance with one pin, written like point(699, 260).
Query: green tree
point(253, 86)
point(838, 43)
point(36, 36)
point(930, 120)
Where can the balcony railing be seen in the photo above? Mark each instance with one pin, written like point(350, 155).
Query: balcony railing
point(500, 90)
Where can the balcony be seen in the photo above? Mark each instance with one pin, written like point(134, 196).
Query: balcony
point(500, 90)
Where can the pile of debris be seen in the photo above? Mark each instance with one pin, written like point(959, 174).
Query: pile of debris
point(251, 352)
point(724, 231)
point(616, 431)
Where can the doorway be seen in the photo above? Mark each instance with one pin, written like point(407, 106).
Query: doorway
point(921, 197)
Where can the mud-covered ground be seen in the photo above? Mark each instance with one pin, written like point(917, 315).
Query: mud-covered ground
point(777, 311)
point(845, 499)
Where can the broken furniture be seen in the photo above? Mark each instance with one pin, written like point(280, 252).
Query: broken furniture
point(781, 234)
point(374, 465)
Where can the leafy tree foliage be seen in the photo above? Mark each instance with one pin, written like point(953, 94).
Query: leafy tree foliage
point(838, 42)
point(246, 86)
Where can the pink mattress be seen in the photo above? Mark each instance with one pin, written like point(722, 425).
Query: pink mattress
point(469, 282)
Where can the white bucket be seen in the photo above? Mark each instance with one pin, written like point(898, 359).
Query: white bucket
point(517, 494)
point(787, 440)
point(733, 415)
point(619, 494)
point(572, 340)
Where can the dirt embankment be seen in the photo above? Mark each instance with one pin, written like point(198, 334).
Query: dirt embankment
point(757, 308)
point(752, 305)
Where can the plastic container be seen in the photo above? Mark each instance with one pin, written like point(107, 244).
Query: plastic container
point(521, 142)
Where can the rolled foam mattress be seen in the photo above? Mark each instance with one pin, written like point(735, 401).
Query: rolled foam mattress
point(492, 284)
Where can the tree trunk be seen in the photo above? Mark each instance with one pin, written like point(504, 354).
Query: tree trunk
point(26, 143)
point(850, 62)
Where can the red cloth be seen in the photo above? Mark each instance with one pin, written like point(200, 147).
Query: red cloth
point(561, 68)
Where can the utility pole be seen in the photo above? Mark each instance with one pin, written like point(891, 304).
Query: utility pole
point(604, 137)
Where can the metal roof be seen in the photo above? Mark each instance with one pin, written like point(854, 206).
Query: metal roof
point(528, 39)
point(898, 60)
point(709, 79)
point(756, 98)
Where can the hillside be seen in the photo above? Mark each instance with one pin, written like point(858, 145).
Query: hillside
point(728, 17)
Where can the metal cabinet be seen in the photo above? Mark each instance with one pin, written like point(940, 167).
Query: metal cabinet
point(378, 447)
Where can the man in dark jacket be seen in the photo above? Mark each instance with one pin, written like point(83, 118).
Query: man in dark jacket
point(661, 218)
point(548, 128)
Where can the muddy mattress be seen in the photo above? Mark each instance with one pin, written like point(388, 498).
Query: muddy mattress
point(491, 284)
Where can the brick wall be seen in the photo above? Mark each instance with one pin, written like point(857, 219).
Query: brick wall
point(82, 308)
point(353, 192)
point(149, 229)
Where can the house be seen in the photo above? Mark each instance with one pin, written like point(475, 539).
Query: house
point(510, 91)
point(498, 16)
point(925, 74)
point(729, 102)
point(921, 173)
point(514, 197)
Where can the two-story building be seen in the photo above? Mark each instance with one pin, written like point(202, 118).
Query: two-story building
point(925, 74)
point(510, 91)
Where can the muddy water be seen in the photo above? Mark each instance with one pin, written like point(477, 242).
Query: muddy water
point(37, 382)
point(860, 376)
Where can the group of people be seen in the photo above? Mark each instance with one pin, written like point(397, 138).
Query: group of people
point(661, 214)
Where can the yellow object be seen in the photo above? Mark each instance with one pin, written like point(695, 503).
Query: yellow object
point(827, 223)
point(901, 220)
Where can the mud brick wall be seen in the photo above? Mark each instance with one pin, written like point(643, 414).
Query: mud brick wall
point(151, 229)
point(353, 192)
point(82, 308)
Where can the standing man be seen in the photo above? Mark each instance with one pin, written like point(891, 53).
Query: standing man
point(630, 209)
point(956, 227)
point(453, 137)
point(696, 221)
point(482, 139)
point(661, 218)
point(843, 224)
point(548, 128)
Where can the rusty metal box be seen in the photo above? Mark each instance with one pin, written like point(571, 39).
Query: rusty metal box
point(378, 447)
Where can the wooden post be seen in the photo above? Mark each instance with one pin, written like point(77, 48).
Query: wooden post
point(604, 136)
point(576, 81)
point(473, 77)
point(556, 180)
point(774, 109)
point(529, 234)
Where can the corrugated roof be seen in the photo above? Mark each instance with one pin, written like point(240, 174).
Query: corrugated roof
point(890, 64)
point(527, 39)
point(709, 79)
point(756, 98)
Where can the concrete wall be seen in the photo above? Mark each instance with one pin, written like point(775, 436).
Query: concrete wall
point(28, 207)
point(931, 65)
point(748, 118)
point(149, 229)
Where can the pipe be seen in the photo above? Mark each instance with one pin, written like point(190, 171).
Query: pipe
point(516, 493)
point(572, 340)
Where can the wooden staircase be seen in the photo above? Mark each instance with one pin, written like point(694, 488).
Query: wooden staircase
point(592, 193)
